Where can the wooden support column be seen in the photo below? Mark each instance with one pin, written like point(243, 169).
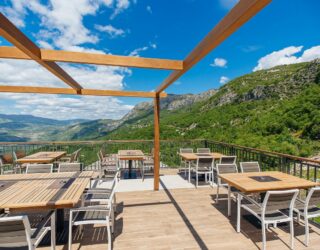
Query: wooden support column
point(156, 142)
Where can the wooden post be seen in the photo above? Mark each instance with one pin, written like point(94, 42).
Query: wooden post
point(156, 142)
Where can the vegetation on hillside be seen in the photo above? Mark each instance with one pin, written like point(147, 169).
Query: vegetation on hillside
point(276, 109)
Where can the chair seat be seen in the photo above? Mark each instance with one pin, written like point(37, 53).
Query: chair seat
point(312, 210)
point(272, 215)
point(91, 217)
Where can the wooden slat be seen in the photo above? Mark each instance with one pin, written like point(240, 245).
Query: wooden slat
point(244, 183)
point(94, 58)
point(42, 157)
point(156, 143)
point(194, 156)
point(10, 32)
point(65, 91)
point(33, 191)
point(240, 14)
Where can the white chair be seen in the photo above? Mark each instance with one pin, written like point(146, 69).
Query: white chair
point(224, 169)
point(247, 167)
point(16, 232)
point(39, 168)
point(99, 214)
point(308, 209)
point(5, 168)
point(203, 150)
point(204, 165)
point(182, 161)
point(270, 210)
point(69, 167)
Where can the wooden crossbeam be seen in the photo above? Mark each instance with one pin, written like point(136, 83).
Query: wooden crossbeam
point(94, 58)
point(10, 32)
point(240, 14)
point(69, 91)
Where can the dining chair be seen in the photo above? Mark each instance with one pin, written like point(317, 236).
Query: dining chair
point(308, 209)
point(39, 168)
point(224, 169)
point(228, 160)
point(5, 168)
point(247, 167)
point(69, 167)
point(204, 165)
point(94, 215)
point(270, 211)
point(182, 161)
point(16, 232)
point(203, 150)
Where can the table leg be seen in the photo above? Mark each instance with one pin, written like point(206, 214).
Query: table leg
point(60, 220)
point(189, 171)
point(130, 169)
point(238, 212)
point(229, 200)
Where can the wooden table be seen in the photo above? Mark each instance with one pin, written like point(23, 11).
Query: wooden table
point(130, 156)
point(43, 191)
point(42, 157)
point(189, 157)
point(260, 182)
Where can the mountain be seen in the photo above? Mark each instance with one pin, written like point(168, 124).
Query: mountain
point(19, 128)
point(276, 109)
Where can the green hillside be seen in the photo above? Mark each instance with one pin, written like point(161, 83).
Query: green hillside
point(276, 109)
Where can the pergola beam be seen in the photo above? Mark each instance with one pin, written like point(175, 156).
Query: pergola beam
point(240, 14)
point(94, 58)
point(10, 32)
point(69, 91)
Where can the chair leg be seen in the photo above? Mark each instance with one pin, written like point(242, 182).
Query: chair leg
point(306, 224)
point(70, 232)
point(53, 230)
point(217, 195)
point(291, 234)
point(109, 235)
point(263, 225)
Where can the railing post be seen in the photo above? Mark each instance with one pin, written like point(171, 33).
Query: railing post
point(156, 142)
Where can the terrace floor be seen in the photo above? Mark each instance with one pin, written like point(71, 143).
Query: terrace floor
point(184, 218)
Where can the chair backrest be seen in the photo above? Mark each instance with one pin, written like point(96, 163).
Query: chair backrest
point(205, 162)
point(15, 232)
point(77, 155)
point(186, 150)
point(225, 169)
point(203, 150)
point(247, 167)
point(14, 157)
point(69, 167)
point(313, 197)
point(276, 200)
point(113, 192)
point(39, 168)
point(228, 159)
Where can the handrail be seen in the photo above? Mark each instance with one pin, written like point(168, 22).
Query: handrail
point(293, 157)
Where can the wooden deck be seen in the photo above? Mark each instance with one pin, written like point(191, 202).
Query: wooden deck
point(184, 219)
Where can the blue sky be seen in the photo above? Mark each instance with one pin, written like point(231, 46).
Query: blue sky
point(160, 29)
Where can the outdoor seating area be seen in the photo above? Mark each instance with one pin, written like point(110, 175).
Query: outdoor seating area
point(262, 209)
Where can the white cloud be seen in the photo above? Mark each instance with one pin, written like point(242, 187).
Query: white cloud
point(228, 4)
point(120, 6)
point(219, 62)
point(224, 79)
point(136, 52)
point(149, 9)
point(250, 48)
point(110, 30)
point(64, 107)
point(287, 56)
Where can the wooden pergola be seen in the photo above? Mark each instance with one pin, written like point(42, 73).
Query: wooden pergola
point(25, 49)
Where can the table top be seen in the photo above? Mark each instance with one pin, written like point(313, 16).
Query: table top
point(195, 156)
point(130, 155)
point(42, 157)
point(264, 181)
point(42, 191)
